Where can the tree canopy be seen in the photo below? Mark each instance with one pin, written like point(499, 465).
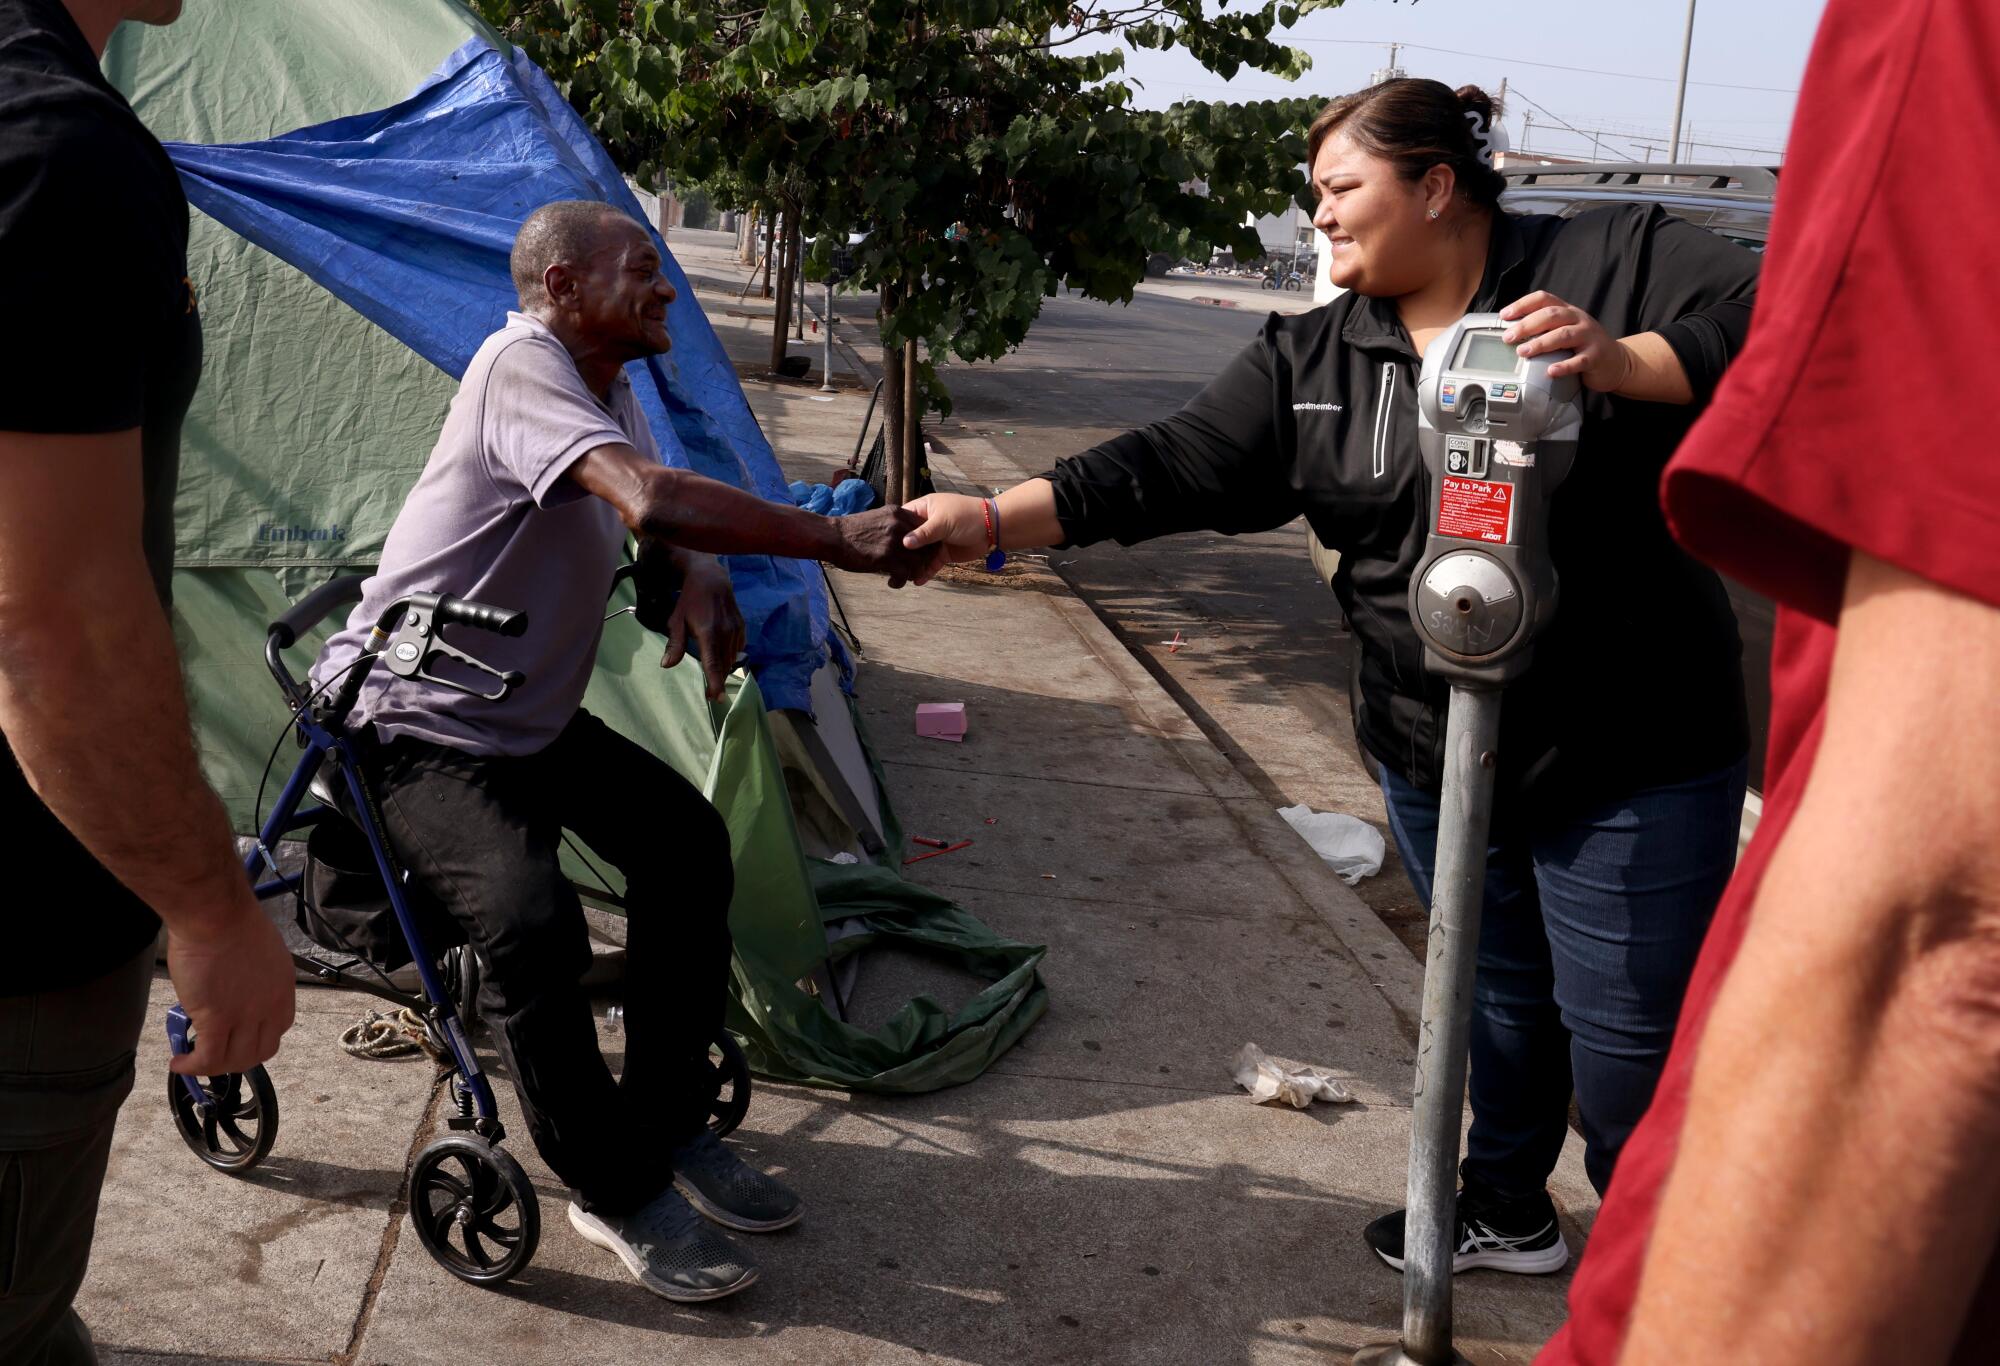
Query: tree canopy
point(990, 149)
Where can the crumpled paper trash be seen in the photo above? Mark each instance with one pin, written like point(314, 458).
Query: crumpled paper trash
point(1349, 845)
point(1266, 1081)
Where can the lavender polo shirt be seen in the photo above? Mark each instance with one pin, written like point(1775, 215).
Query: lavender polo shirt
point(493, 519)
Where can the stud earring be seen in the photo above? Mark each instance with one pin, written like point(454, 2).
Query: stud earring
point(1434, 213)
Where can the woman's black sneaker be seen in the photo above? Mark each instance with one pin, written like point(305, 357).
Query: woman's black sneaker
point(1513, 1235)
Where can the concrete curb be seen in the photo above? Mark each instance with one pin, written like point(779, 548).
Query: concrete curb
point(1369, 943)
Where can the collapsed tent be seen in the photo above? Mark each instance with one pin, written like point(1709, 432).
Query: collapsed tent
point(358, 177)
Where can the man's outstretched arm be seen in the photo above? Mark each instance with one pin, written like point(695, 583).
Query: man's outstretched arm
point(1835, 1197)
point(91, 704)
point(681, 508)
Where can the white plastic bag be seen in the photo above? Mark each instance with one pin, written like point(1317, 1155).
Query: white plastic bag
point(1350, 846)
point(1266, 1081)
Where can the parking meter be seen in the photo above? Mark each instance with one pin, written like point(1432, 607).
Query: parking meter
point(1497, 436)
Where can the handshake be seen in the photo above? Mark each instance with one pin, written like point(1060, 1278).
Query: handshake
point(912, 542)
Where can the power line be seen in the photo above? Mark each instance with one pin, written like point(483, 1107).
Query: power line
point(1689, 141)
point(1516, 90)
point(1522, 61)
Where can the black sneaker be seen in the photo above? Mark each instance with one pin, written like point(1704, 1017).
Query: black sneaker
point(1517, 1235)
point(669, 1250)
point(729, 1190)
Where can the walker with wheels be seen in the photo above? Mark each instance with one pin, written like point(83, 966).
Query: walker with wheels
point(473, 1207)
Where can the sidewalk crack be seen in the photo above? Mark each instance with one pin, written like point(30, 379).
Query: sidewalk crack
point(386, 1252)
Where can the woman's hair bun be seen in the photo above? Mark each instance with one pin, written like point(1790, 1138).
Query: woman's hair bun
point(1471, 97)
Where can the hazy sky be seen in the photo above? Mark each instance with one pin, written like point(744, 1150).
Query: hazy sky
point(1636, 44)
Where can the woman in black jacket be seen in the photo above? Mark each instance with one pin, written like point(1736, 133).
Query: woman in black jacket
point(1623, 750)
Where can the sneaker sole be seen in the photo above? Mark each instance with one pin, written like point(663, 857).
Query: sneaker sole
point(1541, 1262)
point(715, 1213)
point(596, 1231)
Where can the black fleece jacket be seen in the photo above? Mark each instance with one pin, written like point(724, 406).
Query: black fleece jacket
point(1639, 681)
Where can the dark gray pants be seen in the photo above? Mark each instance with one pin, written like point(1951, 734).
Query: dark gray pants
point(65, 1067)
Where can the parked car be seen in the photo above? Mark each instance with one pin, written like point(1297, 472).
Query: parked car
point(1730, 201)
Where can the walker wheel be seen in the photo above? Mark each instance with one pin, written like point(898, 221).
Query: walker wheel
point(474, 1210)
point(459, 968)
point(235, 1123)
point(732, 1097)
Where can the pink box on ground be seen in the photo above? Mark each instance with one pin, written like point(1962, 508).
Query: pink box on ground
point(941, 720)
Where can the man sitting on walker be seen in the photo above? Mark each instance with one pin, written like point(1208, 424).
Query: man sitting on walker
point(544, 466)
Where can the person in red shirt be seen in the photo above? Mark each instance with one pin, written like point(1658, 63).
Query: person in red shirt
point(1818, 1177)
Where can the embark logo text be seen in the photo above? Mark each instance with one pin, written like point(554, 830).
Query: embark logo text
point(268, 533)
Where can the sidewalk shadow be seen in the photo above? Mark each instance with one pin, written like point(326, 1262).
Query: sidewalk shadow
point(959, 1242)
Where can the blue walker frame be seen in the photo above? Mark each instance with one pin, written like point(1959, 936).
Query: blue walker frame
point(405, 641)
point(323, 742)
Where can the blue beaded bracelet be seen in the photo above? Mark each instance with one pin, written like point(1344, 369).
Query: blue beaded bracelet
point(996, 558)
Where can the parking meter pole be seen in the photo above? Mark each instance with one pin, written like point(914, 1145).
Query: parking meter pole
point(1465, 814)
point(826, 347)
point(1497, 436)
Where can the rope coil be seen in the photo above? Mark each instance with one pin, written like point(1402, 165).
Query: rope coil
point(397, 1034)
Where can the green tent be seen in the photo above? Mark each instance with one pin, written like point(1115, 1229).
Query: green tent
point(306, 406)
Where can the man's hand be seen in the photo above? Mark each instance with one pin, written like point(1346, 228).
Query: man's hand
point(235, 980)
point(707, 609)
point(952, 523)
point(873, 543)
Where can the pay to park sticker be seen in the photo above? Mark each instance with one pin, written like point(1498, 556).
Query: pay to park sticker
point(1476, 510)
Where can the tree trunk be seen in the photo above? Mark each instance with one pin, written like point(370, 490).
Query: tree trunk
point(781, 319)
point(892, 408)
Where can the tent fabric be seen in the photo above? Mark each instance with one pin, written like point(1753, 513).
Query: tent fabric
point(304, 405)
point(407, 215)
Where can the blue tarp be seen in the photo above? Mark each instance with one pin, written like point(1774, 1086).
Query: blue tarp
point(408, 215)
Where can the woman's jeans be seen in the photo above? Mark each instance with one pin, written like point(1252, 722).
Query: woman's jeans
point(1588, 936)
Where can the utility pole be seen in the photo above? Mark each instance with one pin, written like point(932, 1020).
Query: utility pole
point(1681, 85)
point(1527, 125)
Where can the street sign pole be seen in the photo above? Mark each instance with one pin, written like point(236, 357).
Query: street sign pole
point(826, 351)
point(1681, 85)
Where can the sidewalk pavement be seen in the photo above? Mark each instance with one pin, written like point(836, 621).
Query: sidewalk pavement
point(1103, 1195)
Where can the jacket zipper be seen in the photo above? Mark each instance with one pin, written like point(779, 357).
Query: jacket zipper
point(1384, 398)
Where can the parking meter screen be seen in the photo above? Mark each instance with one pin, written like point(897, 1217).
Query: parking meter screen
point(1485, 351)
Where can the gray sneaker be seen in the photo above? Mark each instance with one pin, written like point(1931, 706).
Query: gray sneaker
point(669, 1250)
point(722, 1186)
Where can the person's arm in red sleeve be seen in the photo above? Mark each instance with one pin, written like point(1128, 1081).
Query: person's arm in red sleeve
point(1836, 1194)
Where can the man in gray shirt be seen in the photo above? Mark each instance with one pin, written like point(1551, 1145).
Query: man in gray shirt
point(544, 466)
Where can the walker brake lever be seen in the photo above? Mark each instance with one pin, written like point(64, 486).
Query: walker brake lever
point(416, 643)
